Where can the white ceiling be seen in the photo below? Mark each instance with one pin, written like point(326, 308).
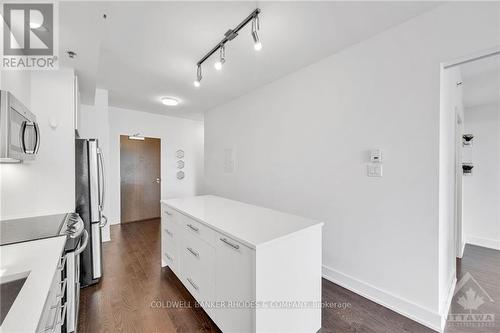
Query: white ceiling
point(146, 50)
point(481, 82)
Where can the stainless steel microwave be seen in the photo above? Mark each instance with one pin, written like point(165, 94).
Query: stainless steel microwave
point(19, 131)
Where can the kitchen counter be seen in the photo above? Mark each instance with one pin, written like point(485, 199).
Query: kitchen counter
point(39, 259)
point(249, 224)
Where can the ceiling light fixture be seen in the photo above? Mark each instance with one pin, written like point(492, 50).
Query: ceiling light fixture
point(136, 136)
point(228, 36)
point(169, 101)
point(197, 82)
point(218, 64)
point(257, 45)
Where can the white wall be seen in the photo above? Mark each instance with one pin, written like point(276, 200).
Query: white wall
point(301, 146)
point(175, 133)
point(482, 189)
point(47, 184)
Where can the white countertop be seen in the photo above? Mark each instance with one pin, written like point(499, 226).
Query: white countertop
point(40, 259)
point(249, 224)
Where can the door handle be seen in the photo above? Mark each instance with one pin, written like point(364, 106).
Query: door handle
point(157, 180)
point(102, 184)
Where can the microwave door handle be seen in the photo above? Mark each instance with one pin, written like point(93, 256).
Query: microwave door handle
point(37, 137)
point(22, 133)
point(102, 184)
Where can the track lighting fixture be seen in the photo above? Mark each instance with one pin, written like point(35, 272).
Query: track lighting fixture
point(218, 64)
point(197, 82)
point(257, 45)
point(228, 36)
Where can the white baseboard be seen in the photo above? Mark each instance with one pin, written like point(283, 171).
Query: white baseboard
point(462, 249)
point(484, 242)
point(449, 298)
point(395, 303)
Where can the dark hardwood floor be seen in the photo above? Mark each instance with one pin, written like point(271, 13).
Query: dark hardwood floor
point(137, 295)
point(484, 266)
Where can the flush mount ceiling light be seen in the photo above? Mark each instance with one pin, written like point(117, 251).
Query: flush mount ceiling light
point(228, 36)
point(170, 101)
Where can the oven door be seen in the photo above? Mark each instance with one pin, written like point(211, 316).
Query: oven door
point(73, 285)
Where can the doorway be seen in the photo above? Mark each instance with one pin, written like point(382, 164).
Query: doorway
point(140, 182)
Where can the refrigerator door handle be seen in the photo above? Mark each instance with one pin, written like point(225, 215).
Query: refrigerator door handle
point(104, 221)
point(102, 183)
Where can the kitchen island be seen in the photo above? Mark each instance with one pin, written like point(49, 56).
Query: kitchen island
point(251, 268)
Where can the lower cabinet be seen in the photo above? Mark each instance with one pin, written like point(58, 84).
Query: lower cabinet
point(217, 270)
point(234, 290)
point(241, 288)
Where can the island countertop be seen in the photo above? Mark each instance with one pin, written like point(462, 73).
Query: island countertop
point(249, 224)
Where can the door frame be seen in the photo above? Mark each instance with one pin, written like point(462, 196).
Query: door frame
point(458, 222)
point(458, 216)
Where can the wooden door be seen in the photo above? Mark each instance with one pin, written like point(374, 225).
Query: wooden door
point(140, 179)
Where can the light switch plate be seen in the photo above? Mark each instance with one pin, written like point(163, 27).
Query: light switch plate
point(374, 170)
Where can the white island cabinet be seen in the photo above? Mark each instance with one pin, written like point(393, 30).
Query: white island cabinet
point(252, 269)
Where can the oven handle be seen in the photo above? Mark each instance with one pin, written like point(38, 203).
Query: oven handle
point(85, 242)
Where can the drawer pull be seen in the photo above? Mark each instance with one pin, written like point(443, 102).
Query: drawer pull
point(234, 246)
point(62, 263)
point(55, 321)
point(168, 213)
point(63, 288)
point(169, 233)
point(168, 257)
point(193, 227)
point(192, 283)
point(196, 254)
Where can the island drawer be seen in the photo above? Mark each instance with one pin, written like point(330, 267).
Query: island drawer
point(196, 228)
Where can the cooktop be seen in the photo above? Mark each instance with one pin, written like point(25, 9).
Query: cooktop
point(32, 228)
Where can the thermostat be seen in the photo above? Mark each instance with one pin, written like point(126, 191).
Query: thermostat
point(375, 156)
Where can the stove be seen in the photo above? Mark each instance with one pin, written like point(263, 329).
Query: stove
point(40, 227)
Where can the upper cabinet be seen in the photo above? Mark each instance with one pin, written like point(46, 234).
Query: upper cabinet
point(76, 105)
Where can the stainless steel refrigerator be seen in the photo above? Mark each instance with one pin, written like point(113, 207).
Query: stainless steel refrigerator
point(90, 193)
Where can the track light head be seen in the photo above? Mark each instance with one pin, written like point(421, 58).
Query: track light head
point(222, 59)
point(257, 45)
point(197, 82)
